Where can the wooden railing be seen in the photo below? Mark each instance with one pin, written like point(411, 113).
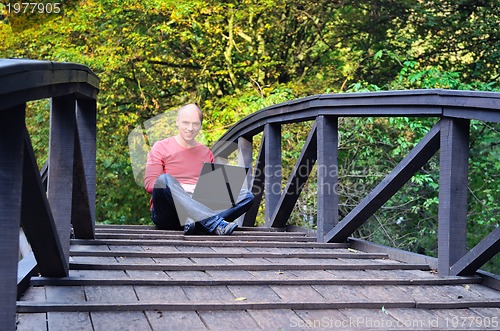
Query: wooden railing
point(47, 215)
point(454, 110)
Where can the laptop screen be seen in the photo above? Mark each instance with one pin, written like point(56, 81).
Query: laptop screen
point(219, 185)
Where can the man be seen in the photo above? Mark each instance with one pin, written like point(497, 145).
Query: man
point(172, 170)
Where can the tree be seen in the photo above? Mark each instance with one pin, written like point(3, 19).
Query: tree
point(236, 57)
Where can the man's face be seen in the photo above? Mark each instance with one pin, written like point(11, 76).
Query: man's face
point(189, 124)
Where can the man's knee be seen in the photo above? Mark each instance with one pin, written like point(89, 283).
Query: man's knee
point(248, 199)
point(163, 181)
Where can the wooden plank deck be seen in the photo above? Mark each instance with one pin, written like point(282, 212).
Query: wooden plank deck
point(140, 278)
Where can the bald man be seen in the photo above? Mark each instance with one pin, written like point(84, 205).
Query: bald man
point(172, 170)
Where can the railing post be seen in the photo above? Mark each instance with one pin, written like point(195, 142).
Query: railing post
point(61, 156)
point(272, 169)
point(245, 157)
point(84, 189)
point(453, 180)
point(11, 167)
point(256, 185)
point(327, 165)
point(245, 160)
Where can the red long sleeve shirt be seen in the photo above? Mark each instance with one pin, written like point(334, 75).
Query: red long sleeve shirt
point(168, 157)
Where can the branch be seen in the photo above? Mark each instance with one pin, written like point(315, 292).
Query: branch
point(174, 65)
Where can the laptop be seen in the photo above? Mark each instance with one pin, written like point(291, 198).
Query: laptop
point(219, 185)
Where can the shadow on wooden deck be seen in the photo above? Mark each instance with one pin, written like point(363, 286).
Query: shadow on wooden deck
point(140, 278)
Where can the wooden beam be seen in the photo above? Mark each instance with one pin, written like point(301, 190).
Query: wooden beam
point(61, 156)
point(24, 245)
point(478, 256)
point(37, 220)
point(417, 157)
point(11, 165)
point(232, 281)
point(88, 306)
point(392, 252)
point(26, 268)
point(415, 103)
point(453, 180)
point(26, 80)
point(245, 160)
point(230, 242)
point(84, 172)
point(224, 254)
point(257, 186)
point(272, 169)
point(245, 157)
point(486, 115)
point(328, 199)
point(259, 266)
point(296, 181)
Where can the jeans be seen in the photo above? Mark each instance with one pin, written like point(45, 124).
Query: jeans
point(172, 206)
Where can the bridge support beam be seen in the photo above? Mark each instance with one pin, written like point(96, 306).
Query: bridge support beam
point(296, 181)
point(61, 155)
point(37, 220)
point(84, 171)
point(11, 165)
point(272, 170)
point(417, 157)
point(257, 186)
point(245, 160)
point(453, 181)
point(327, 165)
point(478, 255)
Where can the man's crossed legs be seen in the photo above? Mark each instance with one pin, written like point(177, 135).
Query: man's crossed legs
point(174, 208)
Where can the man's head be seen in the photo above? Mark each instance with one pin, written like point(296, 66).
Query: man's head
point(188, 122)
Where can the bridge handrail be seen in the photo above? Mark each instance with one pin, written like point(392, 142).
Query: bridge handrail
point(47, 215)
point(453, 109)
point(484, 106)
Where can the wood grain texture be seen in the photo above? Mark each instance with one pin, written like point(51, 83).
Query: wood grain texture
point(84, 170)
point(478, 255)
point(296, 181)
point(257, 185)
point(327, 155)
point(60, 175)
point(11, 167)
point(453, 189)
point(37, 220)
point(272, 169)
point(256, 287)
point(410, 164)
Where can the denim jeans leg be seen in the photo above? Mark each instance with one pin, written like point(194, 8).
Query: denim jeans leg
point(173, 206)
point(164, 213)
point(209, 224)
point(243, 204)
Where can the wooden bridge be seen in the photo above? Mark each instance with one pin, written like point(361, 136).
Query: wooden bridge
point(272, 277)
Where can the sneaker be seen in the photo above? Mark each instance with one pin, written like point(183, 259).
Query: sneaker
point(224, 228)
point(189, 227)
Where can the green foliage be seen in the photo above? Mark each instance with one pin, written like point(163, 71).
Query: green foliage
point(235, 58)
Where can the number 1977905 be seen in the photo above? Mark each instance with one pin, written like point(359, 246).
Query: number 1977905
point(34, 7)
